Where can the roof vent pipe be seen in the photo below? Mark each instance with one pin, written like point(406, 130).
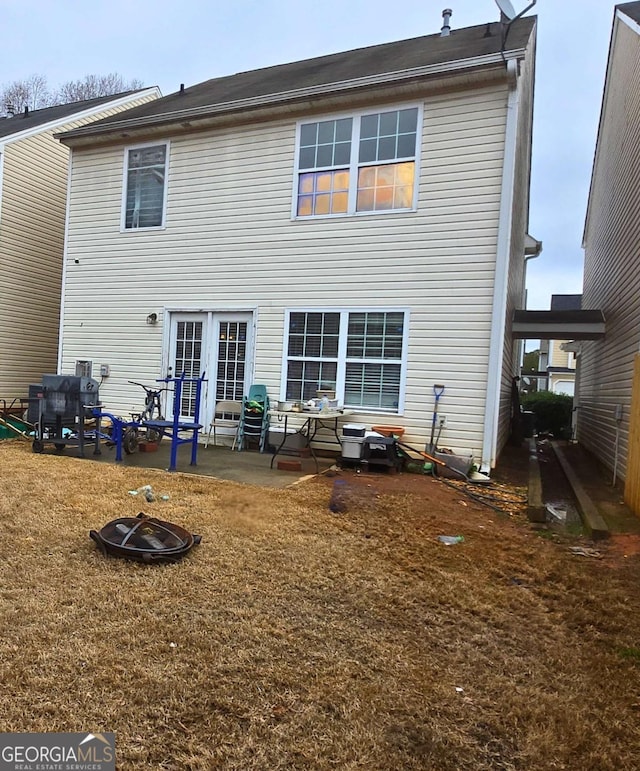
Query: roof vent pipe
point(446, 15)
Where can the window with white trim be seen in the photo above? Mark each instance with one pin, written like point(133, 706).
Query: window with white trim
point(145, 186)
point(358, 164)
point(361, 354)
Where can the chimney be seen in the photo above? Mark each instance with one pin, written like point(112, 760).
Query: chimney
point(446, 16)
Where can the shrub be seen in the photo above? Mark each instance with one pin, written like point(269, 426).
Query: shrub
point(552, 411)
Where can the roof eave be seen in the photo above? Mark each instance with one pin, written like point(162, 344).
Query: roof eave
point(558, 325)
point(131, 127)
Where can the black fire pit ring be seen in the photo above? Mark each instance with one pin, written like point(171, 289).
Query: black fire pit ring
point(144, 539)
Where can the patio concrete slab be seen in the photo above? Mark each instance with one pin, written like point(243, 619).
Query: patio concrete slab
point(246, 466)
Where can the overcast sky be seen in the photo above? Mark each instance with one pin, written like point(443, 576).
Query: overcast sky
point(187, 41)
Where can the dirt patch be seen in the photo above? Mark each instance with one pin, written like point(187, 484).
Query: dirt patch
point(293, 637)
point(624, 545)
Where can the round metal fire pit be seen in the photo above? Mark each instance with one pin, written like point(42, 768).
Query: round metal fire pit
point(144, 539)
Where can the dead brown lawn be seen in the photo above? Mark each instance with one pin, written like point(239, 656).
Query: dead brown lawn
point(294, 638)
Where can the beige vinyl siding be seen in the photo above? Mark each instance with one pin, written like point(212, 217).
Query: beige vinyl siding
point(32, 219)
point(558, 357)
point(31, 242)
point(230, 243)
point(612, 275)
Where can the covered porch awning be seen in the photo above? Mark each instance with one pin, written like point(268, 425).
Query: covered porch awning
point(558, 325)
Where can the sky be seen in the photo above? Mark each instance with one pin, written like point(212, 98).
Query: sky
point(188, 41)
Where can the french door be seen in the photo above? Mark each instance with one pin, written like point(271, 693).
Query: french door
point(218, 344)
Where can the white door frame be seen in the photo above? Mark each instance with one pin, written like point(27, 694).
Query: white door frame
point(209, 354)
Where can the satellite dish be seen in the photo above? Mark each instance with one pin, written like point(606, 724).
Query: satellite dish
point(506, 8)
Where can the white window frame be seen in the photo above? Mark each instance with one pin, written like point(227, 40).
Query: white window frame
point(341, 368)
point(125, 183)
point(354, 164)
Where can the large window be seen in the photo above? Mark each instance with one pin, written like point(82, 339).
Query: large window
point(359, 354)
point(145, 182)
point(363, 163)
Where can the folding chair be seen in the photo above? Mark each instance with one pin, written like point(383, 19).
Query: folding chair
point(221, 419)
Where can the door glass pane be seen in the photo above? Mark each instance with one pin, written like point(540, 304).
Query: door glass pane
point(232, 338)
point(188, 359)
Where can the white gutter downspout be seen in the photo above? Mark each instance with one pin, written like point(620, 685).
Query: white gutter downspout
point(498, 316)
point(64, 262)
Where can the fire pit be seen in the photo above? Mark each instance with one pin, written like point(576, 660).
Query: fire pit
point(144, 539)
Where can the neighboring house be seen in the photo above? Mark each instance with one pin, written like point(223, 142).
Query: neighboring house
point(354, 222)
point(556, 356)
point(34, 170)
point(609, 370)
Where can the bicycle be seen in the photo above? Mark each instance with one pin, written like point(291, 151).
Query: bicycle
point(152, 411)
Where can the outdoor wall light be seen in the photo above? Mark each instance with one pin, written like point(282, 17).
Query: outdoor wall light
point(152, 318)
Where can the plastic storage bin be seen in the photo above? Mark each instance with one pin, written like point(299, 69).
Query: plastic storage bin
point(294, 441)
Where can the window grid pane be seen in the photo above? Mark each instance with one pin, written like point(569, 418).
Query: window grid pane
point(323, 192)
point(382, 135)
point(374, 350)
point(385, 187)
point(384, 173)
point(374, 336)
point(323, 144)
point(146, 171)
point(313, 351)
point(376, 386)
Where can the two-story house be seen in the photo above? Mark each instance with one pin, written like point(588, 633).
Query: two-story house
point(353, 222)
point(34, 169)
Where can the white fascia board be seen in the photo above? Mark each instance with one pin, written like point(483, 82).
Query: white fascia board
point(80, 115)
point(628, 21)
point(311, 91)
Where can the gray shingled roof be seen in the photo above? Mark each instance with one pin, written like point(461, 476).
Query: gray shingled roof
point(632, 10)
point(274, 83)
point(35, 118)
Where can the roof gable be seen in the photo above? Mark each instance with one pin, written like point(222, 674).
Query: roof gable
point(31, 120)
point(311, 77)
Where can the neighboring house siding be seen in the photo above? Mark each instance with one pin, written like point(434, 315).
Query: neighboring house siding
point(229, 243)
point(612, 278)
point(558, 357)
point(31, 242)
point(32, 219)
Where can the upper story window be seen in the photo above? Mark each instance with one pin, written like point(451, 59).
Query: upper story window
point(363, 163)
point(145, 186)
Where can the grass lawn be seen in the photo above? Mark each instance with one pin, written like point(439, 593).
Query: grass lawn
point(293, 638)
